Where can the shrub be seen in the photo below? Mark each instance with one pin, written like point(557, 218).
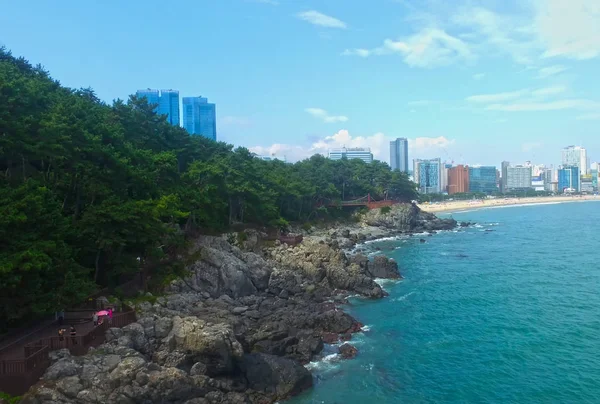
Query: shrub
point(385, 210)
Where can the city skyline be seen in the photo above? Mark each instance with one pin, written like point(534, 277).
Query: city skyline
point(471, 84)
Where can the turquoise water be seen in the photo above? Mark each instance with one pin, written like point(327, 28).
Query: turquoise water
point(509, 315)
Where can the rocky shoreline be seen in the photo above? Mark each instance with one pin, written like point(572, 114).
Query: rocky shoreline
point(240, 328)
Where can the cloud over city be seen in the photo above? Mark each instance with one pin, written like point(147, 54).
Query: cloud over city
point(325, 116)
point(378, 142)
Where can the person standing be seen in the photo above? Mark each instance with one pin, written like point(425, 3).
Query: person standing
point(95, 318)
point(110, 315)
point(73, 335)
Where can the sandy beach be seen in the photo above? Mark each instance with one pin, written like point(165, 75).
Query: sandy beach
point(455, 206)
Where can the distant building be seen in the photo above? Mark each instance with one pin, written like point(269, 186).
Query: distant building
point(594, 173)
point(458, 179)
point(568, 179)
point(444, 177)
point(518, 177)
point(504, 176)
point(152, 96)
point(427, 174)
point(399, 154)
point(362, 153)
point(538, 183)
point(169, 106)
point(575, 156)
point(548, 179)
point(200, 117)
point(482, 179)
point(270, 157)
point(586, 185)
point(166, 103)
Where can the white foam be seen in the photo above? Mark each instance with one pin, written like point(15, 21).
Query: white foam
point(404, 297)
point(366, 328)
point(386, 282)
point(328, 362)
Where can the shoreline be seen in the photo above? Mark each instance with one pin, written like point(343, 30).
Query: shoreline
point(245, 313)
point(460, 206)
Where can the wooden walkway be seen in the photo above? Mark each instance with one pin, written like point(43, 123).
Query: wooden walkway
point(24, 362)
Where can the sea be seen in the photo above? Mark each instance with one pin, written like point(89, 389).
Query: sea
point(507, 310)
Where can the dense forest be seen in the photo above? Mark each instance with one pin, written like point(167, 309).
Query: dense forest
point(91, 193)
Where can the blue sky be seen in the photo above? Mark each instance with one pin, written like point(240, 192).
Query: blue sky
point(473, 82)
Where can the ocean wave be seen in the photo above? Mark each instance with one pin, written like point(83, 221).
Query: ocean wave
point(365, 328)
point(386, 282)
point(403, 297)
point(327, 362)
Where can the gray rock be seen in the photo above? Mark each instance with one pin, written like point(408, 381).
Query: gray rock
point(198, 369)
point(62, 368)
point(384, 267)
point(275, 376)
point(162, 326)
point(69, 386)
point(239, 310)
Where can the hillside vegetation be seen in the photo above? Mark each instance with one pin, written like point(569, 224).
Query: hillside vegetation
point(91, 193)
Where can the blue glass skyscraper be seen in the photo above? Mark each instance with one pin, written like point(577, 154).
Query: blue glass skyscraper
point(166, 101)
point(153, 96)
point(428, 175)
point(169, 106)
point(199, 117)
point(483, 179)
point(568, 179)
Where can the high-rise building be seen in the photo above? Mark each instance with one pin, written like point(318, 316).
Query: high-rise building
point(568, 179)
point(399, 154)
point(200, 117)
point(482, 179)
point(362, 153)
point(594, 173)
point(427, 174)
point(166, 103)
point(458, 180)
point(575, 156)
point(548, 179)
point(152, 96)
point(444, 177)
point(518, 177)
point(503, 178)
point(169, 105)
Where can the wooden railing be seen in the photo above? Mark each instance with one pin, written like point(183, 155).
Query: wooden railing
point(18, 375)
point(291, 240)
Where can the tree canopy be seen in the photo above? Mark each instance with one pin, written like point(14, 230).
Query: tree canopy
point(90, 193)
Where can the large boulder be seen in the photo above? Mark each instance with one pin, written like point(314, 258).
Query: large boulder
point(383, 267)
point(278, 377)
point(400, 217)
point(224, 269)
point(214, 345)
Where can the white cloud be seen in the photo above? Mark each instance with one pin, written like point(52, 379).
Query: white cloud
point(543, 92)
point(320, 19)
point(545, 106)
point(569, 28)
point(498, 97)
point(378, 142)
point(589, 117)
point(428, 48)
point(551, 71)
point(419, 103)
point(231, 120)
point(509, 34)
point(478, 76)
point(324, 115)
point(529, 146)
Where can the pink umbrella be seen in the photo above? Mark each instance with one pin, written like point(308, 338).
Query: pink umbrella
point(102, 313)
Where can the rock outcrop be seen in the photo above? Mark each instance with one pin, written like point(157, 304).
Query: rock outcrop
point(239, 328)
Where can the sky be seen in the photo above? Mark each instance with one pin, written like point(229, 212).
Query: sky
point(471, 82)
